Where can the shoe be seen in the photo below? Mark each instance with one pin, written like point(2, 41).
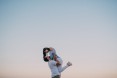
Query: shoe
point(69, 64)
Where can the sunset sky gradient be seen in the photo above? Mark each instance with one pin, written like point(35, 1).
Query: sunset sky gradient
point(82, 31)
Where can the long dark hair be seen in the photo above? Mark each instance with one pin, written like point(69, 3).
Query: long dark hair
point(44, 54)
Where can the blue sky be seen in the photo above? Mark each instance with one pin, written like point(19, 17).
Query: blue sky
point(83, 32)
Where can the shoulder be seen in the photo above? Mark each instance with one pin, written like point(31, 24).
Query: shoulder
point(52, 62)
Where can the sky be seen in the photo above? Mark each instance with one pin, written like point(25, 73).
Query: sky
point(83, 32)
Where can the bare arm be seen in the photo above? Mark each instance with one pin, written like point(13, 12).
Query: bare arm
point(55, 58)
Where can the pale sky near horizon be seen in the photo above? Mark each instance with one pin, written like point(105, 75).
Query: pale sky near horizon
point(82, 31)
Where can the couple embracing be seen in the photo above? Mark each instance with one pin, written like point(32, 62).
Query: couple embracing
point(54, 62)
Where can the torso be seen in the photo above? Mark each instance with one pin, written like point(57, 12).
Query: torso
point(53, 68)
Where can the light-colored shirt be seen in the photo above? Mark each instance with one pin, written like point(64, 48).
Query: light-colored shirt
point(53, 68)
point(60, 68)
point(53, 52)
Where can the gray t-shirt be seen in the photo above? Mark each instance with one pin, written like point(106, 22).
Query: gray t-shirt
point(53, 52)
point(53, 68)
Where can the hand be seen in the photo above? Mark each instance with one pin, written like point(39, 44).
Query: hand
point(48, 57)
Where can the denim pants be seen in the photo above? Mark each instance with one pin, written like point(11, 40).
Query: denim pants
point(58, 76)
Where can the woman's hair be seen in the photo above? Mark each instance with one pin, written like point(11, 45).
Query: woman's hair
point(44, 54)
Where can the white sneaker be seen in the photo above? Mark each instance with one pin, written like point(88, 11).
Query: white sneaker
point(69, 64)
